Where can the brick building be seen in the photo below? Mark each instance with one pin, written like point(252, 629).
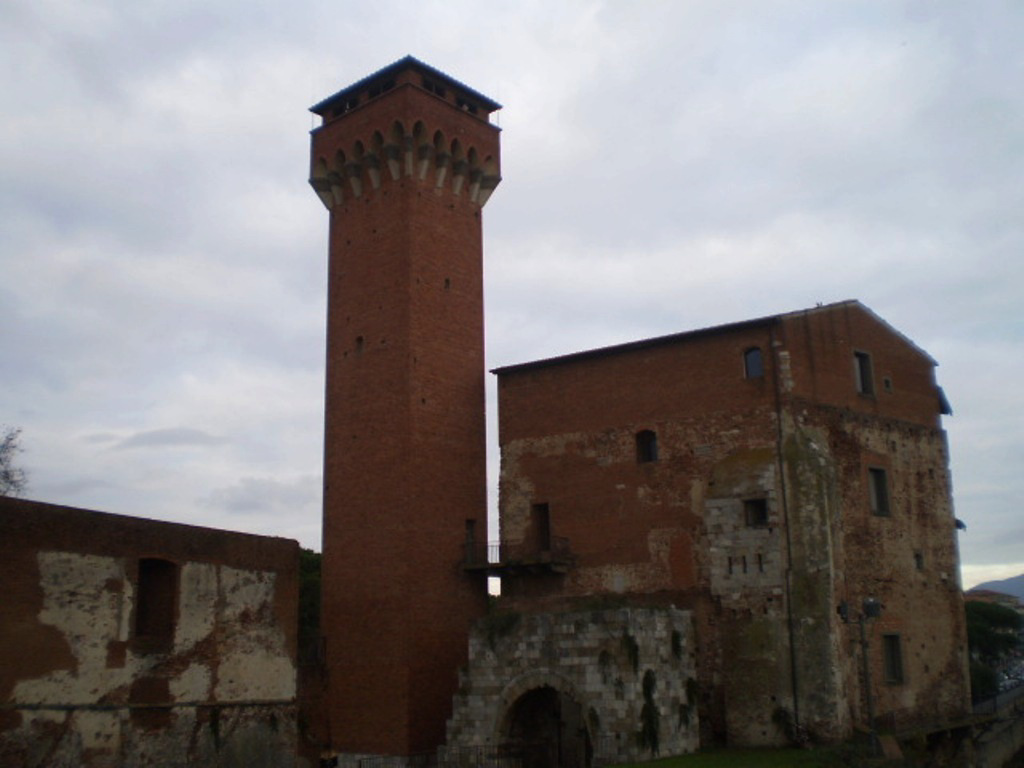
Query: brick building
point(126, 641)
point(695, 529)
point(692, 527)
point(768, 476)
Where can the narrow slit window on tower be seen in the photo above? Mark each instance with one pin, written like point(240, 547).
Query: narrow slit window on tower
point(156, 599)
point(646, 446)
point(878, 491)
point(753, 363)
point(862, 372)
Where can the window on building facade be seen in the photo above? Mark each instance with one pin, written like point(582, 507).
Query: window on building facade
point(892, 659)
point(540, 527)
point(753, 364)
point(156, 599)
point(755, 512)
point(862, 371)
point(878, 491)
point(646, 446)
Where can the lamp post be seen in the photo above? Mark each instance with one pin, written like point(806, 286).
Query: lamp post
point(870, 609)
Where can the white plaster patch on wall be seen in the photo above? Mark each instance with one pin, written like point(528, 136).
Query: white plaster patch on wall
point(193, 684)
point(245, 592)
point(254, 662)
point(79, 601)
point(256, 669)
point(98, 730)
point(197, 612)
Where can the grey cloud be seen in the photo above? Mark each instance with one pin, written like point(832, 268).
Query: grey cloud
point(267, 496)
point(699, 163)
point(172, 437)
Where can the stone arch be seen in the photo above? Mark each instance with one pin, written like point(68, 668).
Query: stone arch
point(393, 150)
point(459, 166)
point(489, 180)
point(320, 179)
point(442, 157)
point(424, 148)
point(542, 715)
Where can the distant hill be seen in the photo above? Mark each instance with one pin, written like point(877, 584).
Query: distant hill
point(1012, 586)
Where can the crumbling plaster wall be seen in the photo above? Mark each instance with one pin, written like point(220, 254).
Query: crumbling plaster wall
point(222, 693)
point(597, 658)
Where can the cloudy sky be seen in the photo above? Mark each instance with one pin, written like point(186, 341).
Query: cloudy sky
point(667, 166)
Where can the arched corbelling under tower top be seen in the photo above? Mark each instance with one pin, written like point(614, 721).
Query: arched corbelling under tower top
point(396, 153)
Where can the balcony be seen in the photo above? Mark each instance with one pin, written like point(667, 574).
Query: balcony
point(508, 559)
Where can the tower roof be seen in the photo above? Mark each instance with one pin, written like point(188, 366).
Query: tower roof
point(325, 107)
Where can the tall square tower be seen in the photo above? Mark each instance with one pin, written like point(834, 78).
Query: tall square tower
point(404, 161)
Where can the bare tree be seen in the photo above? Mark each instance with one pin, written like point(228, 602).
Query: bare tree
point(12, 478)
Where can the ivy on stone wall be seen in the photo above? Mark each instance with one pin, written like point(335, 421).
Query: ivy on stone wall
point(650, 717)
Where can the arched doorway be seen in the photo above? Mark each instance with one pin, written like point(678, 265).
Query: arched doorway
point(547, 728)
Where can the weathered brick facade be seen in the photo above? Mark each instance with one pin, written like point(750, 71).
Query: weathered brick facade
point(404, 160)
point(757, 479)
point(132, 642)
point(734, 472)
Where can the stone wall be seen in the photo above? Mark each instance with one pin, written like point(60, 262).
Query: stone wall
point(625, 677)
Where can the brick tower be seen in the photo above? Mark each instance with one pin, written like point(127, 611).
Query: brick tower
point(404, 161)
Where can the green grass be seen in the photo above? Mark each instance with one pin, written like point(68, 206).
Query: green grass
point(754, 758)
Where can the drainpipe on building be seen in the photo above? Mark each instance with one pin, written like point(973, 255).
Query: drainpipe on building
point(779, 440)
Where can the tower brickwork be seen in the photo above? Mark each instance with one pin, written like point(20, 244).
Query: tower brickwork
point(404, 161)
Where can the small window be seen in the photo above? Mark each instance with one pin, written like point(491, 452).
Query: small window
point(156, 599)
point(862, 371)
point(540, 527)
point(878, 491)
point(887, 384)
point(465, 105)
point(646, 446)
point(892, 659)
point(753, 365)
point(755, 512)
point(919, 560)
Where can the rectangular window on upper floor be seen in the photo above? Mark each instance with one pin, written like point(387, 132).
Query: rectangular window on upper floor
point(864, 378)
point(753, 364)
point(878, 491)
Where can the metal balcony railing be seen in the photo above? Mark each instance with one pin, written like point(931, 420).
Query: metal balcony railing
point(502, 557)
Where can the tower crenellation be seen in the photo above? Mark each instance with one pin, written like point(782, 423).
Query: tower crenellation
point(412, 136)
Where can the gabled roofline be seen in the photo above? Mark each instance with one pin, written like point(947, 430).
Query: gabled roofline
point(685, 336)
point(406, 62)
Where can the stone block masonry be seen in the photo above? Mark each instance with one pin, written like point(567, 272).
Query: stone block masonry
point(621, 682)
